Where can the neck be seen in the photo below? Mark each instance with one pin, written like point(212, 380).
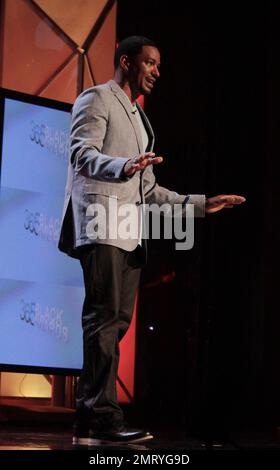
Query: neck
point(124, 84)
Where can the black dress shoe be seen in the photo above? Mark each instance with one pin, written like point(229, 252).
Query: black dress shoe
point(126, 436)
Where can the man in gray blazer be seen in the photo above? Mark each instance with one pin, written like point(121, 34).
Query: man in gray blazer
point(110, 173)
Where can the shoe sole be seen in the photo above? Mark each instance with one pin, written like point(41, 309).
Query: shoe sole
point(89, 441)
point(100, 442)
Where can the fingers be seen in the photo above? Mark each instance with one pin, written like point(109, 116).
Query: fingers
point(149, 158)
point(231, 199)
point(140, 162)
point(155, 161)
point(145, 156)
point(223, 201)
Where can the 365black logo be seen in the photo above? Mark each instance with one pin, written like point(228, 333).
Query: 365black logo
point(42, 225)
point(52, 139)
point(48, 319)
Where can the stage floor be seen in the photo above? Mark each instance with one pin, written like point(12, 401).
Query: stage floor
point(51, 437)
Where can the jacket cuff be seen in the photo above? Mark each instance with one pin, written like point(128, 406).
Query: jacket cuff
point(198, 200)
point(117, 171)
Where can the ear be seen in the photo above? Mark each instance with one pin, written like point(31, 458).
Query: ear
point(124, 62)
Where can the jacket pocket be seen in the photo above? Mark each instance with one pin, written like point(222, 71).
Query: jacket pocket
point(95, 193)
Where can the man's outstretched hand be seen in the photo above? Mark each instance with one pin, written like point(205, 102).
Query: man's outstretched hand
point(224, 201)
point(140, 162)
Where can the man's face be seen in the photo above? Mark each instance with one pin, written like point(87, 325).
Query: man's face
point(144, 70)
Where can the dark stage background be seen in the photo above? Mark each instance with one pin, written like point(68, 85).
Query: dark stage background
point(212, 360)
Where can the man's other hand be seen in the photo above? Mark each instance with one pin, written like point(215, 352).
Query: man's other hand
point(223, 201)
point(140, 162)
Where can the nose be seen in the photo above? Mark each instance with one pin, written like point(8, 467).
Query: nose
point(156, 71)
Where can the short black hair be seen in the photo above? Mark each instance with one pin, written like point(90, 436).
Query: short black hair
point(131, 47)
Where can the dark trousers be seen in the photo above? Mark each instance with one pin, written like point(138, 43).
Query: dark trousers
point(111, 278)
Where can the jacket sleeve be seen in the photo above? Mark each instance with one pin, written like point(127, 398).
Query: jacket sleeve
point(155, 194)
point(90, 116)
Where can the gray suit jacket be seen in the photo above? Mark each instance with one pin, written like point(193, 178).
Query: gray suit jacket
point(104, 135)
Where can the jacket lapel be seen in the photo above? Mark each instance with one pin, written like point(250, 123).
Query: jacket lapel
point(125, 103)
point(148, 127)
